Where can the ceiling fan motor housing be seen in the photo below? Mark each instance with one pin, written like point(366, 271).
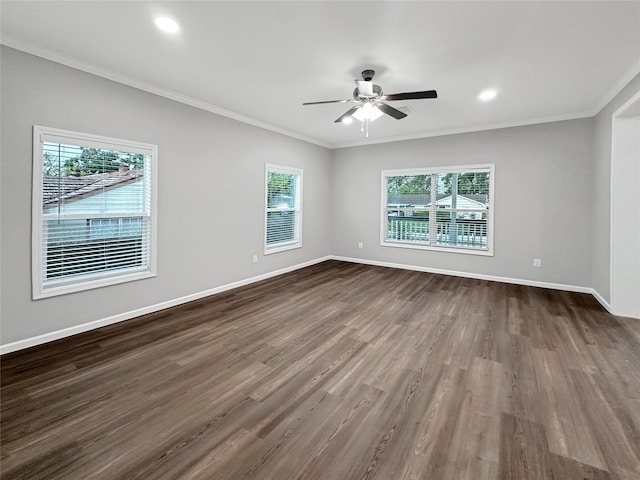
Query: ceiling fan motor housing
point(377, 93)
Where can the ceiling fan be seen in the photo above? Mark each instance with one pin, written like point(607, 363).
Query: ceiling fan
point(370, 102)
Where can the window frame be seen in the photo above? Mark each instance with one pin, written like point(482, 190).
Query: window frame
point(480, 168)
point(297, 242)
point(41, 288)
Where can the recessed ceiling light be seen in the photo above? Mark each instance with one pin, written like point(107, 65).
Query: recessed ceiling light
point(487, 95)
point(167, 24)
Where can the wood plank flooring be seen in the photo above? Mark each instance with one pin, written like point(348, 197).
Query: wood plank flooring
point(338, 371)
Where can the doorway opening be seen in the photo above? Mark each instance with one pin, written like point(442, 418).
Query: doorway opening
point(625, 210)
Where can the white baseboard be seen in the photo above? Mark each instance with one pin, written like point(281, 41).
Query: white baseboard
point(479, 276)
point(85, 327)
point(601, 300)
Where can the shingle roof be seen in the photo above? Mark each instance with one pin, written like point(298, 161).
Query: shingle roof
point(413, 199)
point(66, 189)
point(425, 199)
point(476, 197)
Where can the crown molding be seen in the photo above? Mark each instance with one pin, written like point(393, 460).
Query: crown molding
point(93, 69)
point(470, 129)
point(617, 88)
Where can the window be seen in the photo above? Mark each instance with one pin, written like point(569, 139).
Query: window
point(93, 211)
point(447, 209)
point(283, 201)
point(115, 227)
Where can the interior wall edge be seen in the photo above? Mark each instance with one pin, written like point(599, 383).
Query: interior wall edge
point(121, 317)
point(601, 300)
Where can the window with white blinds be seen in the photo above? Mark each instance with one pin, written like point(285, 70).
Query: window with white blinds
point(93, 211)
point(447, 209)
point(283, 221)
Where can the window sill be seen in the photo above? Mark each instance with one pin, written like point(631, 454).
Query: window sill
point(63, 288)
point(282, 247)
point(467, 251)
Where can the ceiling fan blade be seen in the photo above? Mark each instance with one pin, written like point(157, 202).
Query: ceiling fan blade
point(389, 110)
point(347, 114)
point(412, 95)
point(327, 101)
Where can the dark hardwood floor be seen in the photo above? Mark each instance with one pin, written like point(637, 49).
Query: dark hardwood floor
point(338, 371)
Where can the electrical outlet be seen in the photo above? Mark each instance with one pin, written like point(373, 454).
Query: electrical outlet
point(255, 259)
point(359, 244)
point(537, 262)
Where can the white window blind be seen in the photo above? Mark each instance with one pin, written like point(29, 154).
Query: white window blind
point(283, 221)
point(93, 211)
point(449, 209)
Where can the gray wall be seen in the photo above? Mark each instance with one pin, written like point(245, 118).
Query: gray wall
point(552, 195)
point(210, 202)
point(543, 200)
point(602, 189)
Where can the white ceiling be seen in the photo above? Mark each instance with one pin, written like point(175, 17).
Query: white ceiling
point(259, 61)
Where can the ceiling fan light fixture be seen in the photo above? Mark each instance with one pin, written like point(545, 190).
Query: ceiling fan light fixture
point(368, 111)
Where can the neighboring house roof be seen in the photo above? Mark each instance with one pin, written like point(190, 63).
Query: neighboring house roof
point(482, 198)
point(425, 199)
point(464, 201)
point(413, 199)
point(67, 189)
